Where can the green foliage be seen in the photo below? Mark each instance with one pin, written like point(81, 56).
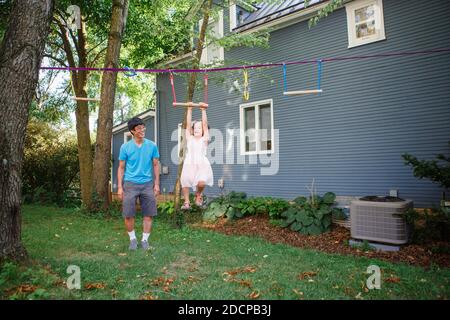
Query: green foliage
point(363, 246)
point(166, 208)
point(97, 208)
point(310, 216)
point(338, 214)
point(431, 225)
point(5, 9)
point(436, 170)
point(237, 205)
point(34, 280)
point(332, 6)
point(216, 210)
point(50, 170)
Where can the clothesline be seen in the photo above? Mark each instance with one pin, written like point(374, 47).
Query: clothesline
point(265, 65)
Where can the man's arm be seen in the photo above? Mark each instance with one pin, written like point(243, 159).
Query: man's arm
point(120, 173)
point(156, 172)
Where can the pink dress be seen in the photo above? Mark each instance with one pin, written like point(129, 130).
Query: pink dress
point(196, 165)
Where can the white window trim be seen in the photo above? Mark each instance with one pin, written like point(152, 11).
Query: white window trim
point(255, 104)
point(125, 135)
point(379, 22)
point(204, 57)
point(233, 16)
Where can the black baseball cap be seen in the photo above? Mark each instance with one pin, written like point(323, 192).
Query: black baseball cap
point(134, 122)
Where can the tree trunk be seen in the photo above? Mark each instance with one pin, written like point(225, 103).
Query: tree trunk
point(84, 149)
point(79, 81)
point(20, 58)
point(191, 90)
point(102, 162)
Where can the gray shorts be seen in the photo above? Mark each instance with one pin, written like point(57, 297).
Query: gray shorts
point(133, 191)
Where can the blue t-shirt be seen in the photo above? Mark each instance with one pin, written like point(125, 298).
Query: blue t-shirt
point(138, 160)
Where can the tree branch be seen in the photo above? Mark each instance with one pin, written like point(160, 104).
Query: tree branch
point(60, 61)
point(97, 56)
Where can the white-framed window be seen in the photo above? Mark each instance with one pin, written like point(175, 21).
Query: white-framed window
point(127, 136)
point(365, 22)
point(256, 127)
point(212, 53)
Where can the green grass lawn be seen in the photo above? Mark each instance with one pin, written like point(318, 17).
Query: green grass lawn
point(193, 264)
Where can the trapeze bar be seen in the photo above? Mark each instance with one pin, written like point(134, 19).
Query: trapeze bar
point(297, 93)
point(85, 99)
point(190, 104)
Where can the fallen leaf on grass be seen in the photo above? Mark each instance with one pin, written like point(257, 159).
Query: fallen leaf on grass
point(97, 285)
point(122, 254)
point(239, 270)
point(165, 283)
point(358, 296)
point(26, 288)
point(149, 296)
point(249, 269)
point(300, 293)
point(307, 275)
point(245, 283)
point(392, 280)
point(254, 295)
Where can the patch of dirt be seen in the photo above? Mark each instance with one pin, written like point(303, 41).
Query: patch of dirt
point(182, 262)
point(335, 241)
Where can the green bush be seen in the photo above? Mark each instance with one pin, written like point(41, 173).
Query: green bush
point(437, 170)
point(166, 208)
point(432, 225)
point(50, 171)
point(237, 205)
point(310, 216)
point(225, 206)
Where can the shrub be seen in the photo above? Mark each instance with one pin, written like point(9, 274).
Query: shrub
point(225, 206)
point(310, 216)
point(437, 170)
point(50, 169)
point(236, 205)
point(166, 208)
point(433, 224)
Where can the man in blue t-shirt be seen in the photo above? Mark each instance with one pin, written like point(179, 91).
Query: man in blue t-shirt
point(138, 161)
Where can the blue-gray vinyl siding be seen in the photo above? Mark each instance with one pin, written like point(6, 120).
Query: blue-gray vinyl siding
point(351, 137)
point(118, 140)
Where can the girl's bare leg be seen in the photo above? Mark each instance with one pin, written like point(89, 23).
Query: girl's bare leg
point(186, 194)
point(200, 188)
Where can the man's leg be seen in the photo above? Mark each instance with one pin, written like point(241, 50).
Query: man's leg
point(148, 221)
point(129, 211)
point(149, 210)
point(129, 223)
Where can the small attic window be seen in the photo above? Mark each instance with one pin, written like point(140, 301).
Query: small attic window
point(365, 22)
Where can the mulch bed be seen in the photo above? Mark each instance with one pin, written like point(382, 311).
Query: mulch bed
point(335, 241)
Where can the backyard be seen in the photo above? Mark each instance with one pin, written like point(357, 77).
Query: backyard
point(194, 263)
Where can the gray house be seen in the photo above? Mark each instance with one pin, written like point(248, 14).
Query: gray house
point(122, 135)
point(350, 137)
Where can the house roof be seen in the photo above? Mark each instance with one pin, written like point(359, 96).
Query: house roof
point(271, 11)
point(143, 115)
point(264, 12)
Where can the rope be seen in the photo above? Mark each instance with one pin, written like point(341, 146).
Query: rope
point(246, 92)
point(173, 88)
point(381, 55)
